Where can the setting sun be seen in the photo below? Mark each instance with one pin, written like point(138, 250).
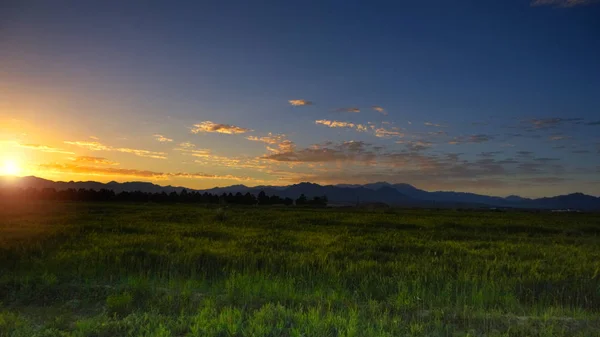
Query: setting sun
point(10, 168)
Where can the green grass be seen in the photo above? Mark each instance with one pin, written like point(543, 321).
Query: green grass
point(191, 270)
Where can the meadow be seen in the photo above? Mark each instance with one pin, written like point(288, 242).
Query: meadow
point(110, 269)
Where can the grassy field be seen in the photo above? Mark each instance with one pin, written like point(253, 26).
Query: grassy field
point(186, 270)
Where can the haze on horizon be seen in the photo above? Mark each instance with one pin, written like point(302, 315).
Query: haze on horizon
point(494, 98)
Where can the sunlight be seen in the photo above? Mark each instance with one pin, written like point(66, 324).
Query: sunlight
point(10, 168)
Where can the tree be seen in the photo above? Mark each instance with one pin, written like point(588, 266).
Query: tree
point(263, 199)
point(301, 200)
point(249, 199)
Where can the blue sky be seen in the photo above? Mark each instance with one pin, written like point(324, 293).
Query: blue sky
point(495, 97)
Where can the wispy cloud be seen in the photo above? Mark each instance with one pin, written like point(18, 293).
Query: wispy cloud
point(558, 137)
point(209, 126)
point(433, 124)
point(346, 151)
point(360, 161)
point(385, 133)
point(353, 110)
point(189, 148)
point(300, 102)
point(379, 109)
point(93, 160)
point(544, 180)
point(43, 148)
point(162, 138)
point(593, 123)
point(480, 138)
point(286, 146)
point(415, 145)
point(283, 144)
point(269, 139)
point(207, 158)
point(549, 123)
point(562, 3)
point(187, 145)
point(490, 154)
point(338, 124)
point(97, 146)
point(122, 172)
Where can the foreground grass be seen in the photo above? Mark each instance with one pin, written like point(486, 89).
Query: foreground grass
point(186, 270)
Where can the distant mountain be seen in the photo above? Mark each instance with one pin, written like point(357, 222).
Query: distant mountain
point(571, 201)
point(39, 183)
point(344, 194)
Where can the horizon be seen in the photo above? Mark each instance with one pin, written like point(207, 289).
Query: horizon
point(4, 177)
point(496, 99)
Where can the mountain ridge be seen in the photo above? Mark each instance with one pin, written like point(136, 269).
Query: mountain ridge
point(400, 194)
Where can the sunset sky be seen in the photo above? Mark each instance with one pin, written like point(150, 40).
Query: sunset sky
point(492, 97)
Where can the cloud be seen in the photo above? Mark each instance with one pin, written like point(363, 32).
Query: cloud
point(338, 124)
point(433, 124)
point(546, 160)
point(490, 154)
point(416, 145)
point(346, 151)
point(525, 154)
point(96, 146)
point(162, 138)
point(357, 161)
point(283, 144)
point(209, 126)
point(187, 145)
point(593, 123)
point(353, 110)
point(189, 148)
point(379, 109)
point(287, 146)
point(544, 180)
point(480, 138)
point(386, 133)
point(94, 160)
point(548, 123)
point(300, 102)
point(121, 172)
point(269, 139)
point(558, 137)
point(562, 3)
point(206, 157)
point(42, 148)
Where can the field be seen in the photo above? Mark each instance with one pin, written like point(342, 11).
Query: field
point(69, 269)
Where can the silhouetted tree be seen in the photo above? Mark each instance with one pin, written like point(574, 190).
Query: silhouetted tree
point(105, 195)
point(301, 200)
point(263, 199)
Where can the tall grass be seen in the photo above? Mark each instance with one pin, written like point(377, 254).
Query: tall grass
point(185, 270)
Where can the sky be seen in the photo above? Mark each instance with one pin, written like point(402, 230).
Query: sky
point(491, 97)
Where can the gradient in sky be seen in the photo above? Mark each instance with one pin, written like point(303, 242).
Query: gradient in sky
point(494, 97)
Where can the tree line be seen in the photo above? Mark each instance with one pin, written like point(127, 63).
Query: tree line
point(90, 195)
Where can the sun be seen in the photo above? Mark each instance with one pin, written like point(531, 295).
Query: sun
point(10, 168)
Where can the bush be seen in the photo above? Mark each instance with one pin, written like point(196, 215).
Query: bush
point(220, 215)
point(119, 304)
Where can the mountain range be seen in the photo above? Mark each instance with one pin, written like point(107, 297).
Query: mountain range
point(343, 194)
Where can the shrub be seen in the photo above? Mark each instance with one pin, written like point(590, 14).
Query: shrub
point(119, 304)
